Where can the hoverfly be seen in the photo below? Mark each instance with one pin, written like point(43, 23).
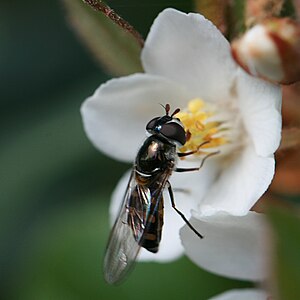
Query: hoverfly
point(140, 219)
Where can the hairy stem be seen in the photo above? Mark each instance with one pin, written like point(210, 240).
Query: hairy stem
point(98, 5)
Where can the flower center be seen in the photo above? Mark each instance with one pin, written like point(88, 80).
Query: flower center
point(204, 131)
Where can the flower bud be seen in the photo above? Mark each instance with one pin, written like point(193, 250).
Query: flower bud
point(270, 50)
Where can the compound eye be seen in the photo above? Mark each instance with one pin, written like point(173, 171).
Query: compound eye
point(151, 124)
point(174, 131)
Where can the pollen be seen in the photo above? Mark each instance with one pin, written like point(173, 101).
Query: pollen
point(204, 132)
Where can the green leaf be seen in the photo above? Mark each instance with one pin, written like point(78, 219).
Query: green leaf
point(115, 48)
point(286, 225)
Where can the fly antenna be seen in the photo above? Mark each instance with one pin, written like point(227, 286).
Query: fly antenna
point(176, 111)
point(167, 108)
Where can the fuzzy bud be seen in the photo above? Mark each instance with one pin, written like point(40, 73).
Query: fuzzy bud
point(270, 50)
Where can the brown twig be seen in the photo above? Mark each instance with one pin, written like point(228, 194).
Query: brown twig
point(98, 5)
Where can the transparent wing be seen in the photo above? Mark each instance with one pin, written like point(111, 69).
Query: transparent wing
point(139, 223)
point(123, 245)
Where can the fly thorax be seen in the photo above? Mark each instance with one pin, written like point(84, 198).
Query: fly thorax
point(155, 155)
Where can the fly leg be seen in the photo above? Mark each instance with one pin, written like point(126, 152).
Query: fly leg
point(180, 213)
point(192, 152)
point(201, 165)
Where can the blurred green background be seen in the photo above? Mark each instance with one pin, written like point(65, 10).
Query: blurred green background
point(55, 187)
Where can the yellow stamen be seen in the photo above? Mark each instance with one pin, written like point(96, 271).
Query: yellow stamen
point(196, 122)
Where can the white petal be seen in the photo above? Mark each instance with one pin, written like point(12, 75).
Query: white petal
point(190, 187)
point(240, 184)
point(233, 246)
point(260, 105)
point(191, 50)
point(116, 115)
point(242, 294)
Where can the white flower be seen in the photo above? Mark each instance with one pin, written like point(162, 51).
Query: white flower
point(185, 57)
